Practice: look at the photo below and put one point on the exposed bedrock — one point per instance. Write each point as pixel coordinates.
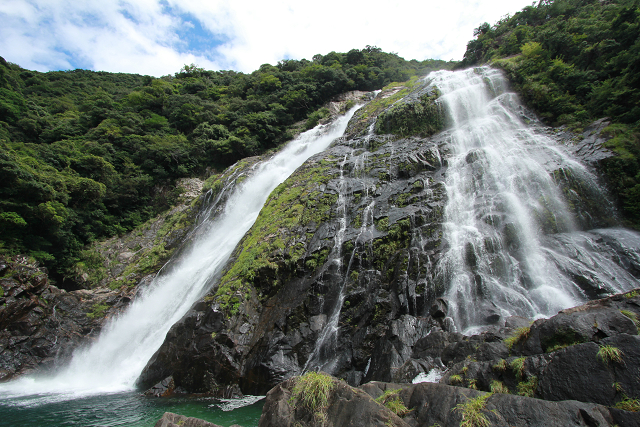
(41, 325)
(428, 404)
(343, 272)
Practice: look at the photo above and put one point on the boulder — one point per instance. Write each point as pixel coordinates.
(169, 419)
(589, 353)
(346, 406)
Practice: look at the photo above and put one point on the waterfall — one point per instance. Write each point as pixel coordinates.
(510, 238)
(324, 355)
(114, 361)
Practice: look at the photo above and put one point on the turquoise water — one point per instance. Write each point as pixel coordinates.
(120, 409)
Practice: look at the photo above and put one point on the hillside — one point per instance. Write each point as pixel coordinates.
(87, 155)
(476, 226)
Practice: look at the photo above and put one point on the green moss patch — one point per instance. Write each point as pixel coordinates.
(276, 245)
(423, 117)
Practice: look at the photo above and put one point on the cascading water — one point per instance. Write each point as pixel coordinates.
(324, 356)
(509, 234)
(126, 343)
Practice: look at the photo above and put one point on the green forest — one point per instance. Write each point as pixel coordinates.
(86, 155)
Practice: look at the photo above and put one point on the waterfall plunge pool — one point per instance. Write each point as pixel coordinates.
(128, 408)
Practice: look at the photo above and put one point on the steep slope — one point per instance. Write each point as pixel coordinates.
(89, 155)
(347, 264)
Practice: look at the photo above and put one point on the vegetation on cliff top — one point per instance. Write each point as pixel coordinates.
(575, 61)
(86, 155)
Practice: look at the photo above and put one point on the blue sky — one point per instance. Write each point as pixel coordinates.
(157, 37)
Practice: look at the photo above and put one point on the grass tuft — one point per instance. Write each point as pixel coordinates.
(499, 387)
(472, 412)
(501, 366)
(312, 391)
(391, 400)
(609, 353)
(529, 387)
(517, 365)
(455, 379)
(632, 294)
(628, 404)
(520, 335)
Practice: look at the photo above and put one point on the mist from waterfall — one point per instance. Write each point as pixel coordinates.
(506, 222)
(115, 360)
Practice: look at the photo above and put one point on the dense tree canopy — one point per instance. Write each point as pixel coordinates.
(575, 61)
(85, 155)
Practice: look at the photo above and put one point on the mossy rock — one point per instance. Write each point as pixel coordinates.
(423, 117)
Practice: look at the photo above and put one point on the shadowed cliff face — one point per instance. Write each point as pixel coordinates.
(342, 270)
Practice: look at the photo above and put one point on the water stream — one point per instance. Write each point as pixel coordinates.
(512, 244)
(510, 236)
(114, 361)
(325, 356)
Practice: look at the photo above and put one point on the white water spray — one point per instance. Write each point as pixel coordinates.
(126, 343)
(502, 201)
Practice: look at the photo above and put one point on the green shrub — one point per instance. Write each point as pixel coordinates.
(472, 412)
(98, 310)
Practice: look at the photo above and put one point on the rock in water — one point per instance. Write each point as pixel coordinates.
(169, 419)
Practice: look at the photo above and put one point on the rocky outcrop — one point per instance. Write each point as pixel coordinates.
(40, 325)
(344, 406)
(428, 404)
(126, 260)
(260, 324)
(353, 239)
(589, 353)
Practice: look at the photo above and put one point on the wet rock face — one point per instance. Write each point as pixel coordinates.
(341, 273)
(360, 237)
(40, 325)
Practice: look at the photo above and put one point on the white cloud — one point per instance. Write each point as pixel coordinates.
(141, 36)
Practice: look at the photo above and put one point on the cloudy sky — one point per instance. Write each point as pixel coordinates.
(157, 37)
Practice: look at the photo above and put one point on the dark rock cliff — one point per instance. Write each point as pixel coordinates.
(351, 240)
(40, 325)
